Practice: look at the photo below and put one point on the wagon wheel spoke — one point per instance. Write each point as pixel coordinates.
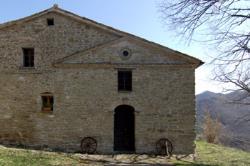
(164, 147)
(88, 145)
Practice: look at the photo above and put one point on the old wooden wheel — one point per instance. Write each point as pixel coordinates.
(164, 147)
(88, 145)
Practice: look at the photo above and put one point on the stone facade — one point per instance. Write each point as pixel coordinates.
(77, 61)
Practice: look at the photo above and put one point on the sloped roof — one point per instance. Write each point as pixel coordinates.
(106, 28)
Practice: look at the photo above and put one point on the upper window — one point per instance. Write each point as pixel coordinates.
(50, 21)
(47, 102)
(28, 57)
(124, 80)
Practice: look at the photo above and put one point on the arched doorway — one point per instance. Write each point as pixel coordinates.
(124, 129)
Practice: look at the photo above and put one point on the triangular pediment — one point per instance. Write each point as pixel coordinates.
(112, 53)
(142, 51)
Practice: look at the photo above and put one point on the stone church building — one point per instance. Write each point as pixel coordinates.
(69, 83)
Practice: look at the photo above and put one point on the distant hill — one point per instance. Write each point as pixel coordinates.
(234, 117)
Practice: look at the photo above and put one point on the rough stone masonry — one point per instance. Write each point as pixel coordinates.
(64, 78)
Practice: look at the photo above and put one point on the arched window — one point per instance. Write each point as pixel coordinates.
(47, 102)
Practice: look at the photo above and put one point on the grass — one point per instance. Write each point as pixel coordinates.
(19, 157)
(211, 154)
(207, 155)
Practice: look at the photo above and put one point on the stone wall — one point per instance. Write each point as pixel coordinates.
(85, 97)
(66, 37)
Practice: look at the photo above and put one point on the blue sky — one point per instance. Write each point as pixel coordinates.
(139, 17)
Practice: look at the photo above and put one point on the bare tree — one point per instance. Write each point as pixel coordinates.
(223, 23)
(211, 129)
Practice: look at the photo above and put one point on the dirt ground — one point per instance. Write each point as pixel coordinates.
(112, 160)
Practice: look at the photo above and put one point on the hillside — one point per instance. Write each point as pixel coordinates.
(234, 117)
(207, 154)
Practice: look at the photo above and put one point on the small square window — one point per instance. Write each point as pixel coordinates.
(50, 21)
(124, 80)
(47, 102)
(28, 57)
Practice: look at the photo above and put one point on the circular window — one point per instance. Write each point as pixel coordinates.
(125, 53)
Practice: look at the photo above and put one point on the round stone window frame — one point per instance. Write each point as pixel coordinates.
(125, 53)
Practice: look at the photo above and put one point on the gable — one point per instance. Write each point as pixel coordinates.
(112, 53)
(150, 56)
